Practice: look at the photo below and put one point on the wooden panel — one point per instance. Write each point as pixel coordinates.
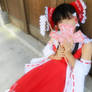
(16, 13)
(69, 1)
(88, 25)
(53, 3)
(14, 8)
(2, 4)
(59, 2)
(35, 10)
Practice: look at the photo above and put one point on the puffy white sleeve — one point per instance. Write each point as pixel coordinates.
(48, 49)
(82, 67)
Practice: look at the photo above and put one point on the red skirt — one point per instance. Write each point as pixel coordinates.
(48, 77)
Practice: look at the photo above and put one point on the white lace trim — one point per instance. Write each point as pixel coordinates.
(43, 22)
(84, 11)
(35, 62)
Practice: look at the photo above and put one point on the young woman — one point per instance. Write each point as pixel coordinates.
(54, 74)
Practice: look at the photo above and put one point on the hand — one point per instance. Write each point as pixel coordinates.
(68, 45)
(59, 53)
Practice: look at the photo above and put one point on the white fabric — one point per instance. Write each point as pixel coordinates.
(84, 11)
(7, 90)
(82, 68)
(80, 71)
(35, 62)
(48, 50)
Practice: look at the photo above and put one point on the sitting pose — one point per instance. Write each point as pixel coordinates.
(67, 65)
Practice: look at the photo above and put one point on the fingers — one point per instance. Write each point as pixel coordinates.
(68, 45)
(58, 57)
(60, 54)
(61, 47)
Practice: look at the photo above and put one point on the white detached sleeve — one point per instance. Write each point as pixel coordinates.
(48, 49)
(81, 69)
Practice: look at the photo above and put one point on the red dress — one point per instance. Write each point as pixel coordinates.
(48, 77)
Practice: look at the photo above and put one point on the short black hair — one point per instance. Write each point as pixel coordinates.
(62, 11)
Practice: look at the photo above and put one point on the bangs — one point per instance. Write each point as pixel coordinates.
(67, 15)
(63, 11)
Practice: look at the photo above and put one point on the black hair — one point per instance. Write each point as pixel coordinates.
(64, 11)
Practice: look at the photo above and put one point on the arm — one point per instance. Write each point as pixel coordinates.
(87, 51)
(86, 54)
(71, 59)
(81, 67)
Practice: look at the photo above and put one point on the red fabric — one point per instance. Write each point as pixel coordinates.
(79, 8)
(50, 13)
(54, 48)
(78, 54)
(49, 77)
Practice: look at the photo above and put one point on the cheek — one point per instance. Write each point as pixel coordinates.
(73, 22)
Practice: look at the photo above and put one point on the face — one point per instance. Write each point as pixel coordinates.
(69, 21)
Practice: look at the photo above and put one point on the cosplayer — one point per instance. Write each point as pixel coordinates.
(67, 55)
